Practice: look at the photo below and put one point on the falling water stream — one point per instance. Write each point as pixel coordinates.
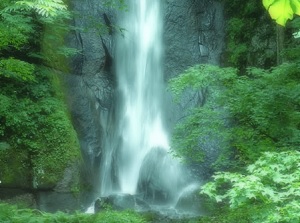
(139, 70)
(136, 157)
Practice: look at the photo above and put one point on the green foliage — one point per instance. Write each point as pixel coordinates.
(270, 188)
(16, 69)
(246, 114)
(206, 119)
(282, 10)
(249, 35)
(20, 28)
(20, 44)
(12, 214)
(47, 8)
(54, 51)
(295, 26)
(35, 122)
(237, 40)
(223, 215)
(201, 76)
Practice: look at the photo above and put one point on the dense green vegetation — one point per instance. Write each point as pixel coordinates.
(250, 35)
(247, 114)
(37, 140)
(12, 214)
(254, 116)
(269, 188)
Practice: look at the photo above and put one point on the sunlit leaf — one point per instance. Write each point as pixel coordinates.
(282, 10)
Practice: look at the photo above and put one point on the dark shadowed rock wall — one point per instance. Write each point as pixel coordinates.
(91, 81)
(194, 33)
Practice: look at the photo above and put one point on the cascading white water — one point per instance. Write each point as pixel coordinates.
(140, 82)
(135, 158)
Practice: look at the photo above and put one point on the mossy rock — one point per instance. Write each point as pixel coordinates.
(38, 143)
(53, 167)
(14, 171)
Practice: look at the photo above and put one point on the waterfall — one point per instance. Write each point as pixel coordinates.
(135, 158)
(140, 82)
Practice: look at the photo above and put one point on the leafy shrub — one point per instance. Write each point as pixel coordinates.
(250, 35)
(246, 115)
(270, 188)
(36, 125)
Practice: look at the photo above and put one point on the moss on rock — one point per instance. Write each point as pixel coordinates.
(13, 169)
(40, 141)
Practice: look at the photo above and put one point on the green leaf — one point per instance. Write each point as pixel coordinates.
(295, 4)
(282, 10)
(17, 69)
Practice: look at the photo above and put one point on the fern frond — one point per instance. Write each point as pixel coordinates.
(44, 8)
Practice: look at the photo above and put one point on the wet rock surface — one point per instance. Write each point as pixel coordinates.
(153, 213)
(160, 177)
(121, 202)
(90, 84)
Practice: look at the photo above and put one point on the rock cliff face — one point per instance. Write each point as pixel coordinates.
(91, 81)
(193, 34)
